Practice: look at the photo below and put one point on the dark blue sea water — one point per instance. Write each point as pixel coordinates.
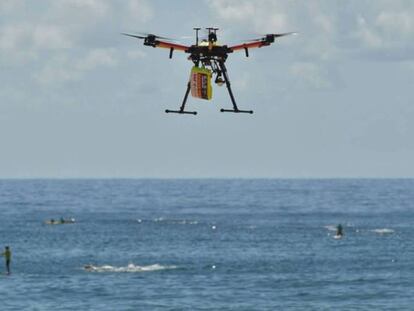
(208, 244)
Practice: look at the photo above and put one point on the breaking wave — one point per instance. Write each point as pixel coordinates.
(383, 231)
(129, 268)
(170, 221)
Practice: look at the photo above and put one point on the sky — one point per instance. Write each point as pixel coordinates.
(79, 100)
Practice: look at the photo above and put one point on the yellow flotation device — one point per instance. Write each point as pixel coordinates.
(200, 82)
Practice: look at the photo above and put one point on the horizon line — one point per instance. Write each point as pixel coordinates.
(200, 177)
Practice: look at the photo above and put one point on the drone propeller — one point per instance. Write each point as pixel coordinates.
(274, 35)
(143, 35)
(134, 36)
(158, 37)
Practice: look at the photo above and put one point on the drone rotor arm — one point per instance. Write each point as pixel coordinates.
(259, 42)
(169, 45)
(250, 45)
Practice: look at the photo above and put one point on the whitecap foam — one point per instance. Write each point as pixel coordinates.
(129, 268)
(331, 227)
(383, 231)
(185, 222)
(175, 221)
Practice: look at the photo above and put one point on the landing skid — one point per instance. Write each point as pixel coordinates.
(181, 112)
(226, 79)
(236, 111)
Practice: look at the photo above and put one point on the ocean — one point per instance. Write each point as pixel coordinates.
(208, 244)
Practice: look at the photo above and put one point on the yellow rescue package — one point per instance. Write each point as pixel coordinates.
(200, 81)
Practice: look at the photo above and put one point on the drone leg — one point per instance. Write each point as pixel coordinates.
(226, 79)
(182, 111)
(185, 97)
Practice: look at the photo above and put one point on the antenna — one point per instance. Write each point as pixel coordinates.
(212, 29)
(196, 30)
(212, 36)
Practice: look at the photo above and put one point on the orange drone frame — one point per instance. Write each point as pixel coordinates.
(211, 57)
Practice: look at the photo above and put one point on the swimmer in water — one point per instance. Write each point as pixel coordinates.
(7, 257)
(88, 267)
(339, 231)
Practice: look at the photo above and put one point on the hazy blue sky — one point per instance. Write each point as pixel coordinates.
(80, 100)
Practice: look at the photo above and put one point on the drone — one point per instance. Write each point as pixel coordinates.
(209, 59)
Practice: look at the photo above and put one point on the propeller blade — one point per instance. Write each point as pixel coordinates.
(142, 35)
(134, 36)
(156, 36)
(275, 35)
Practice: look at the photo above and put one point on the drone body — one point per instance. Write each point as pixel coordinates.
(209, 59)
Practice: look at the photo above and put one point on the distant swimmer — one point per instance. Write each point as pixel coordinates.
(89, 267)
(339, 232)
(7, 256)
(61, 221)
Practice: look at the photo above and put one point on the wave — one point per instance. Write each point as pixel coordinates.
(379, 230)
(383, 231)
(171, 221)
(129, 268)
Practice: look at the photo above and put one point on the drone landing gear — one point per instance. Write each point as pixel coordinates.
(236, 111)
(182, 111)
(226, 79)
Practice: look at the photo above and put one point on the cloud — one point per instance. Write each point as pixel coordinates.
(84, 9)
(66, 24)
(97, 58)
(12, 37)
(260, 17)
(328, 31)
(136, 54)
(236, 11)
(393, 23)
(310, 75)
(24, 43)
(8, 7)
(47, 37)
(369, 38)
(57, 70)
(385, 32)
(139, 11)
(63, 68)
(35, 37)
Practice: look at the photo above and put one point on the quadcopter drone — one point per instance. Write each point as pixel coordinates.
(208, 57)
